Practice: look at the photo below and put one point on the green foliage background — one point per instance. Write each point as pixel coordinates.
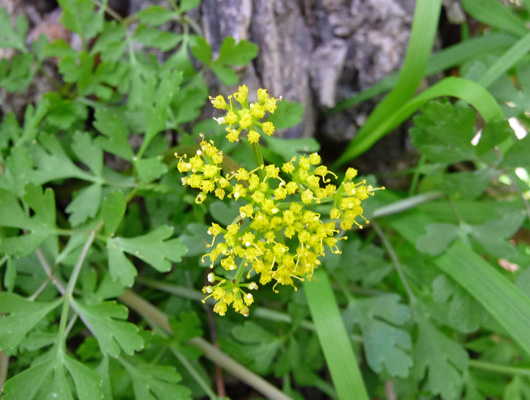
(100, 244)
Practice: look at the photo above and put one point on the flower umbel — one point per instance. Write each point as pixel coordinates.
(278, 236)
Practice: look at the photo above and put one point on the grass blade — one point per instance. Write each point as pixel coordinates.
(467, 90)
(502, 299)
(495, 14)
(334, 339)
(424, 27)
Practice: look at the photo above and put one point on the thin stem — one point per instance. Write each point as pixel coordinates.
(499, 369)
(406, 204)
(80, 261)
(416, 176)
(109, 10)
(39, 290)
(3, 260)
(395, 261)
(259, 160)
(158, 318)
(240, 271)
(519, 193)
(455, 211)
(195, 375)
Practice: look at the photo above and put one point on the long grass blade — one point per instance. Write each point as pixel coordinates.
(495, 14)
(334, 339)
(424, 27)
(502, 299)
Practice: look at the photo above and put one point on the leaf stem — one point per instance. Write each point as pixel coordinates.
(499, 369)
(519, 193)
(395, 261)
(259, 160)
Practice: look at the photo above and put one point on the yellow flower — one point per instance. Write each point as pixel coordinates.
(253, 136)
(241, 94)
(219, 102)
(268, 128)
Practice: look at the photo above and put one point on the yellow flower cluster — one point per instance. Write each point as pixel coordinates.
(276, 236)
(246, 116)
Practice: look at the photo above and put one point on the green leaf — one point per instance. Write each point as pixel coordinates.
(187, 5)
(466, 185)
(52, 162)
(156, 15)
(232, 53)
(63, 113)
(9, 38)
(185, 327)
(115, 139)
(111, 43)
(496, 15)
(152, 37)
(440, 358)
(152, 248)
(517, 389)
(438, 237)
(85, 205)
(517, 156)
(493, 134)
(443, 132)
(112, 211)
(224, 213)
(23, 316)
(201, 50)
(90, 154)
(189, 101)
(59, 48)
(16, 74)
(18, 171)
(78, 70)
(463, 312)
(48, 381)
(384, 344)
(155, 382)
(150, 169)
(225, 74)
(261, 346)
(105, 322)
(32, 119)
(40, 226)
(287, 115)
(78, 17)
(196, 238)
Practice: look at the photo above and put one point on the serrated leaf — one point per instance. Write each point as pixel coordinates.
(152, 37)
(466, 185)
(232, 53)
(196, 238)
(493, 134)
(438, 237)
(40, 226)
(115, 139)
(155, 382)
(63, 113)
(52, 162)
(261, 346)
(441, 359)
(187, 5)
(79, 17)
(517, 156)
(150, 169)
(156, 15)
(90, 154)
(112, 210)
(224, 213)
(287, 115)
(385, 344)
(78, 70)
(85, 205)
(18, 171)
(225, 74)
(201, 50)
(23, 316)
(152, 248)
(185, 327)
(464, 314)
(16, 74)
(106, 323)
(494, 233)
(48, 381)
(189, 100)
(443, 132)
(9, 38)
(111, 43)
(32, 118)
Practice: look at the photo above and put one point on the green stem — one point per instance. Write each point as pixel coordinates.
(395, 261)
(499, 369)
(195, 374)
(240, 271)
(259, 160)
(416, 176)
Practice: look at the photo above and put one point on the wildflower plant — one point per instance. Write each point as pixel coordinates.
(277, 236)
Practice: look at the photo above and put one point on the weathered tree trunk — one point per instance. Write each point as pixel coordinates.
(317, 52)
